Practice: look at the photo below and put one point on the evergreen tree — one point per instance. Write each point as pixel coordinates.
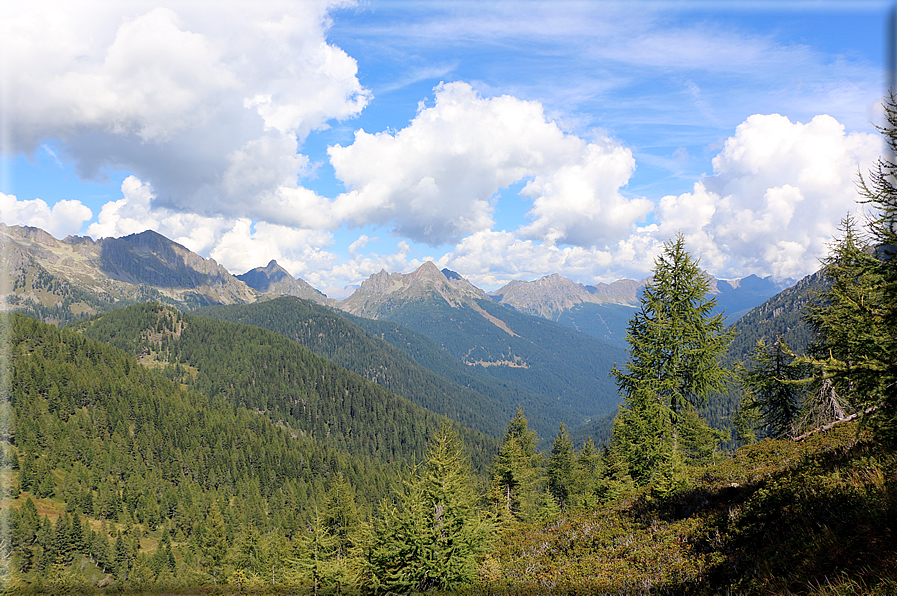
(434, 536)
(340, 514)
(857, 318)
(847, 318)
(698, 439)
(516, 473)
(676, 344)
(774, 387)
(318, 561)
(880, 191)
(561, 467)
(587, 476)
(214, 540)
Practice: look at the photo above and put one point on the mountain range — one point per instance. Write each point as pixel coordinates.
(430, 335)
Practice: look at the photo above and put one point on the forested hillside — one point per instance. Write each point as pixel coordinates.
(99, 436)
(330, 335)
(544, 418)
(780, 317)
(568, 368)
(118, 477)
(261, 370)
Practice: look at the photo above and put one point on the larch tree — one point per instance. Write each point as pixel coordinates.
(561, 468)
(435, 533)
(676, 346)
(863, 361)
(516, 473)
(847, 317)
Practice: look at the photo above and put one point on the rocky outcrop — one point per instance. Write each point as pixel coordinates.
(274, 279)
(382, 290)
(58, 280)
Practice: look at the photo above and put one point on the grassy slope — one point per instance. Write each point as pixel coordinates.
(777, 517)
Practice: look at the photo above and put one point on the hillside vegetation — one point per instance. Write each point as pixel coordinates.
(330, 335)
(779, 517)
(262, 371)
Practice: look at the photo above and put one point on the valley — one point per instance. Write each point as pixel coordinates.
(178, 427)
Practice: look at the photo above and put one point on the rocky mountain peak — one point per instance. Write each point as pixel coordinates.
(274, 279)
(427, 281)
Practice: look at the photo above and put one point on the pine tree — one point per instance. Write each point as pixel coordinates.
(676, 344)
(433, 537)
(214, 540)
(516, 473)
(317, 561)
(774, 386)
(587, 476)
(847, 318)
(857, 318)
(561, 467)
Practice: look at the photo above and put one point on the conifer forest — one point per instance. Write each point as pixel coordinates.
(147, 450)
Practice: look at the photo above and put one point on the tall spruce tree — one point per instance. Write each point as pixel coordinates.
(857, 318)
(880, 191)
(847, 317)
(561, 465)
(676, 345)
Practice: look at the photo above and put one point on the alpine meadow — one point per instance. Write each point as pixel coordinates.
(511, 337)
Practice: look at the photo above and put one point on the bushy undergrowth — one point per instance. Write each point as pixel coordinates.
(777, 517)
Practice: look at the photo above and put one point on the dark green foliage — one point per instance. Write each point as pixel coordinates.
(431, 355)
(780, 316)
(561, 468)
(147, 447)
(586, 478)
(432, 537)
(547, 359)
(777, 517)
(855, 349)
(878, 189)
(334, 336)
(698, 440)
(516, 474)
(607, 322)
(676, 346)
(775, 385)
(263, 371)
(845, 317)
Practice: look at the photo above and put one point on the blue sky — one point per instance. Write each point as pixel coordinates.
(505, 140)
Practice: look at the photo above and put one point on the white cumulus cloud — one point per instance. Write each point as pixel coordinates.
(209, 106)
(64, 218)
(778, 191)
(435, 180)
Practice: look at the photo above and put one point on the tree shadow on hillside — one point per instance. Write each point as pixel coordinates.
(827, 515)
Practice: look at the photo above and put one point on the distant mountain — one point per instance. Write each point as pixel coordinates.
(782, 315)
(736, 297)
(382, 292)
(569, 369)
(604, 310)
(60, 280)
(274, 279)
(552, 295)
